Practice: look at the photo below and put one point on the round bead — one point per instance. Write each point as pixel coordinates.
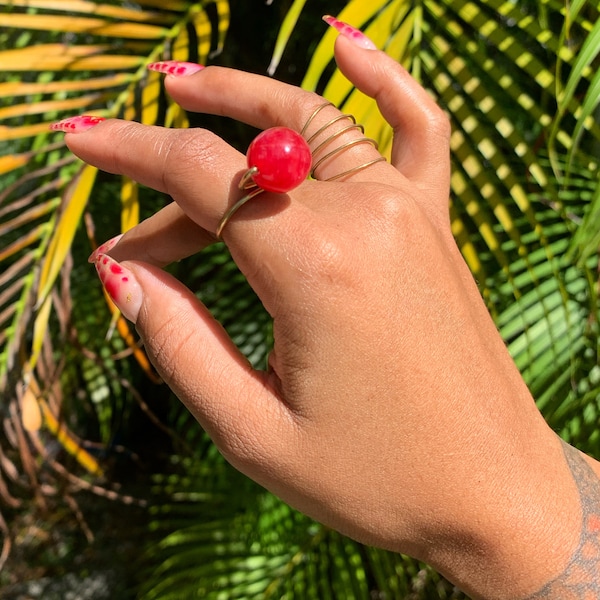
(282, 159)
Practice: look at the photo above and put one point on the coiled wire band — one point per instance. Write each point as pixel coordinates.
(322, 145)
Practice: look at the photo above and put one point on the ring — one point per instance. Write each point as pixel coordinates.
(322, 145)
(279, 160)
(227, 216)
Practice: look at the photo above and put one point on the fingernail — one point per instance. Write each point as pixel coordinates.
(356, 36)
(105, 248)
(77, 124)
(120, 285)
(177, 68)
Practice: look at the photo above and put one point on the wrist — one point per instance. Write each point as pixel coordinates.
(515, 529)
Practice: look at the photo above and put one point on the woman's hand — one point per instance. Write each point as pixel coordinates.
(391, 410)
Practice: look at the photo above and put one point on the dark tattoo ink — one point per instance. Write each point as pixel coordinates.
(581, 578)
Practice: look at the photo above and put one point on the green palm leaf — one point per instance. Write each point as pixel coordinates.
(228, 538)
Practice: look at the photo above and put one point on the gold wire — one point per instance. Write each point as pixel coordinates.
(332, 122)
(362, 140)
(356, 169)
(314, 114)
(324, 143)
(337, 134)
(246, 182)
(227, 216)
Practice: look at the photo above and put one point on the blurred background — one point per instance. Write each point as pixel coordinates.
(108, 488)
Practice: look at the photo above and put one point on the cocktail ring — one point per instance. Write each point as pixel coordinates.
(278, 161)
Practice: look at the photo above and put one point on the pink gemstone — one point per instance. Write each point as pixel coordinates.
(282, 158)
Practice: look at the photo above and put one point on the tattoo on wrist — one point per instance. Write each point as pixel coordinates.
(581, 579)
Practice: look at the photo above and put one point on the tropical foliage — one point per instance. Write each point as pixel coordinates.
(521, 84)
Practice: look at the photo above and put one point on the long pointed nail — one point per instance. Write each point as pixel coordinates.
(177, 68)
(121, 286)
(356, 36)
(105, 248)
(77, 124)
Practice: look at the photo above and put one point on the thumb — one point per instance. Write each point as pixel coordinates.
(197, 359)
(421, 128)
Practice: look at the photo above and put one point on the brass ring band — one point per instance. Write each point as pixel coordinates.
(313, 115)
(227, 216)
(336, 151)
(340, 117)
(246, 183)
(356, 169)
(322, 145)
(338, 133)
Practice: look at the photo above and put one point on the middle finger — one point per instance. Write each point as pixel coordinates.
(264, 102)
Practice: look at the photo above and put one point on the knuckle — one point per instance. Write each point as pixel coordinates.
(326, 257)
(439, 123)
(184, 151)
(299, 105)
(390, 208)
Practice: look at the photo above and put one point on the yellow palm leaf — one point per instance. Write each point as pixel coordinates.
(75, 201)
(58, 57)
(14, 89)
(71, 24)
(12, 162)
(285, 31)
(87, 8)
(88, 57)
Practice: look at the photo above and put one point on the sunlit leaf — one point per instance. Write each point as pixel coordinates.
(20, 88)
(87, 8)
(130, 211)
(49, 106)
(24, 131)
(83, 25)
(585, 117)
(356, 12)
(587, 238)
(31, 413)
(40, 327)
(58, 57)
(75, 201)
(68, 441)
(12, 162)
(285, 31)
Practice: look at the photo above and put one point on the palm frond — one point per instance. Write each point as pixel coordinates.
(61, 57)
(228, 538)
(60, 381)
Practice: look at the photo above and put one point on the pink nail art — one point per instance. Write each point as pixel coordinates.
(177, 68)
(356, 36)
(105, 248)
(77, 124)
(120, 285)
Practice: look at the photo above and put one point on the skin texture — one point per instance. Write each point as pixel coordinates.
(391, 410)
(580, 580)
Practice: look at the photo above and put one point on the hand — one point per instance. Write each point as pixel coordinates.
(391, 410)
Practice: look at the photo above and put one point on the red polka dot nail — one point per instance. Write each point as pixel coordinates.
(121, 285)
